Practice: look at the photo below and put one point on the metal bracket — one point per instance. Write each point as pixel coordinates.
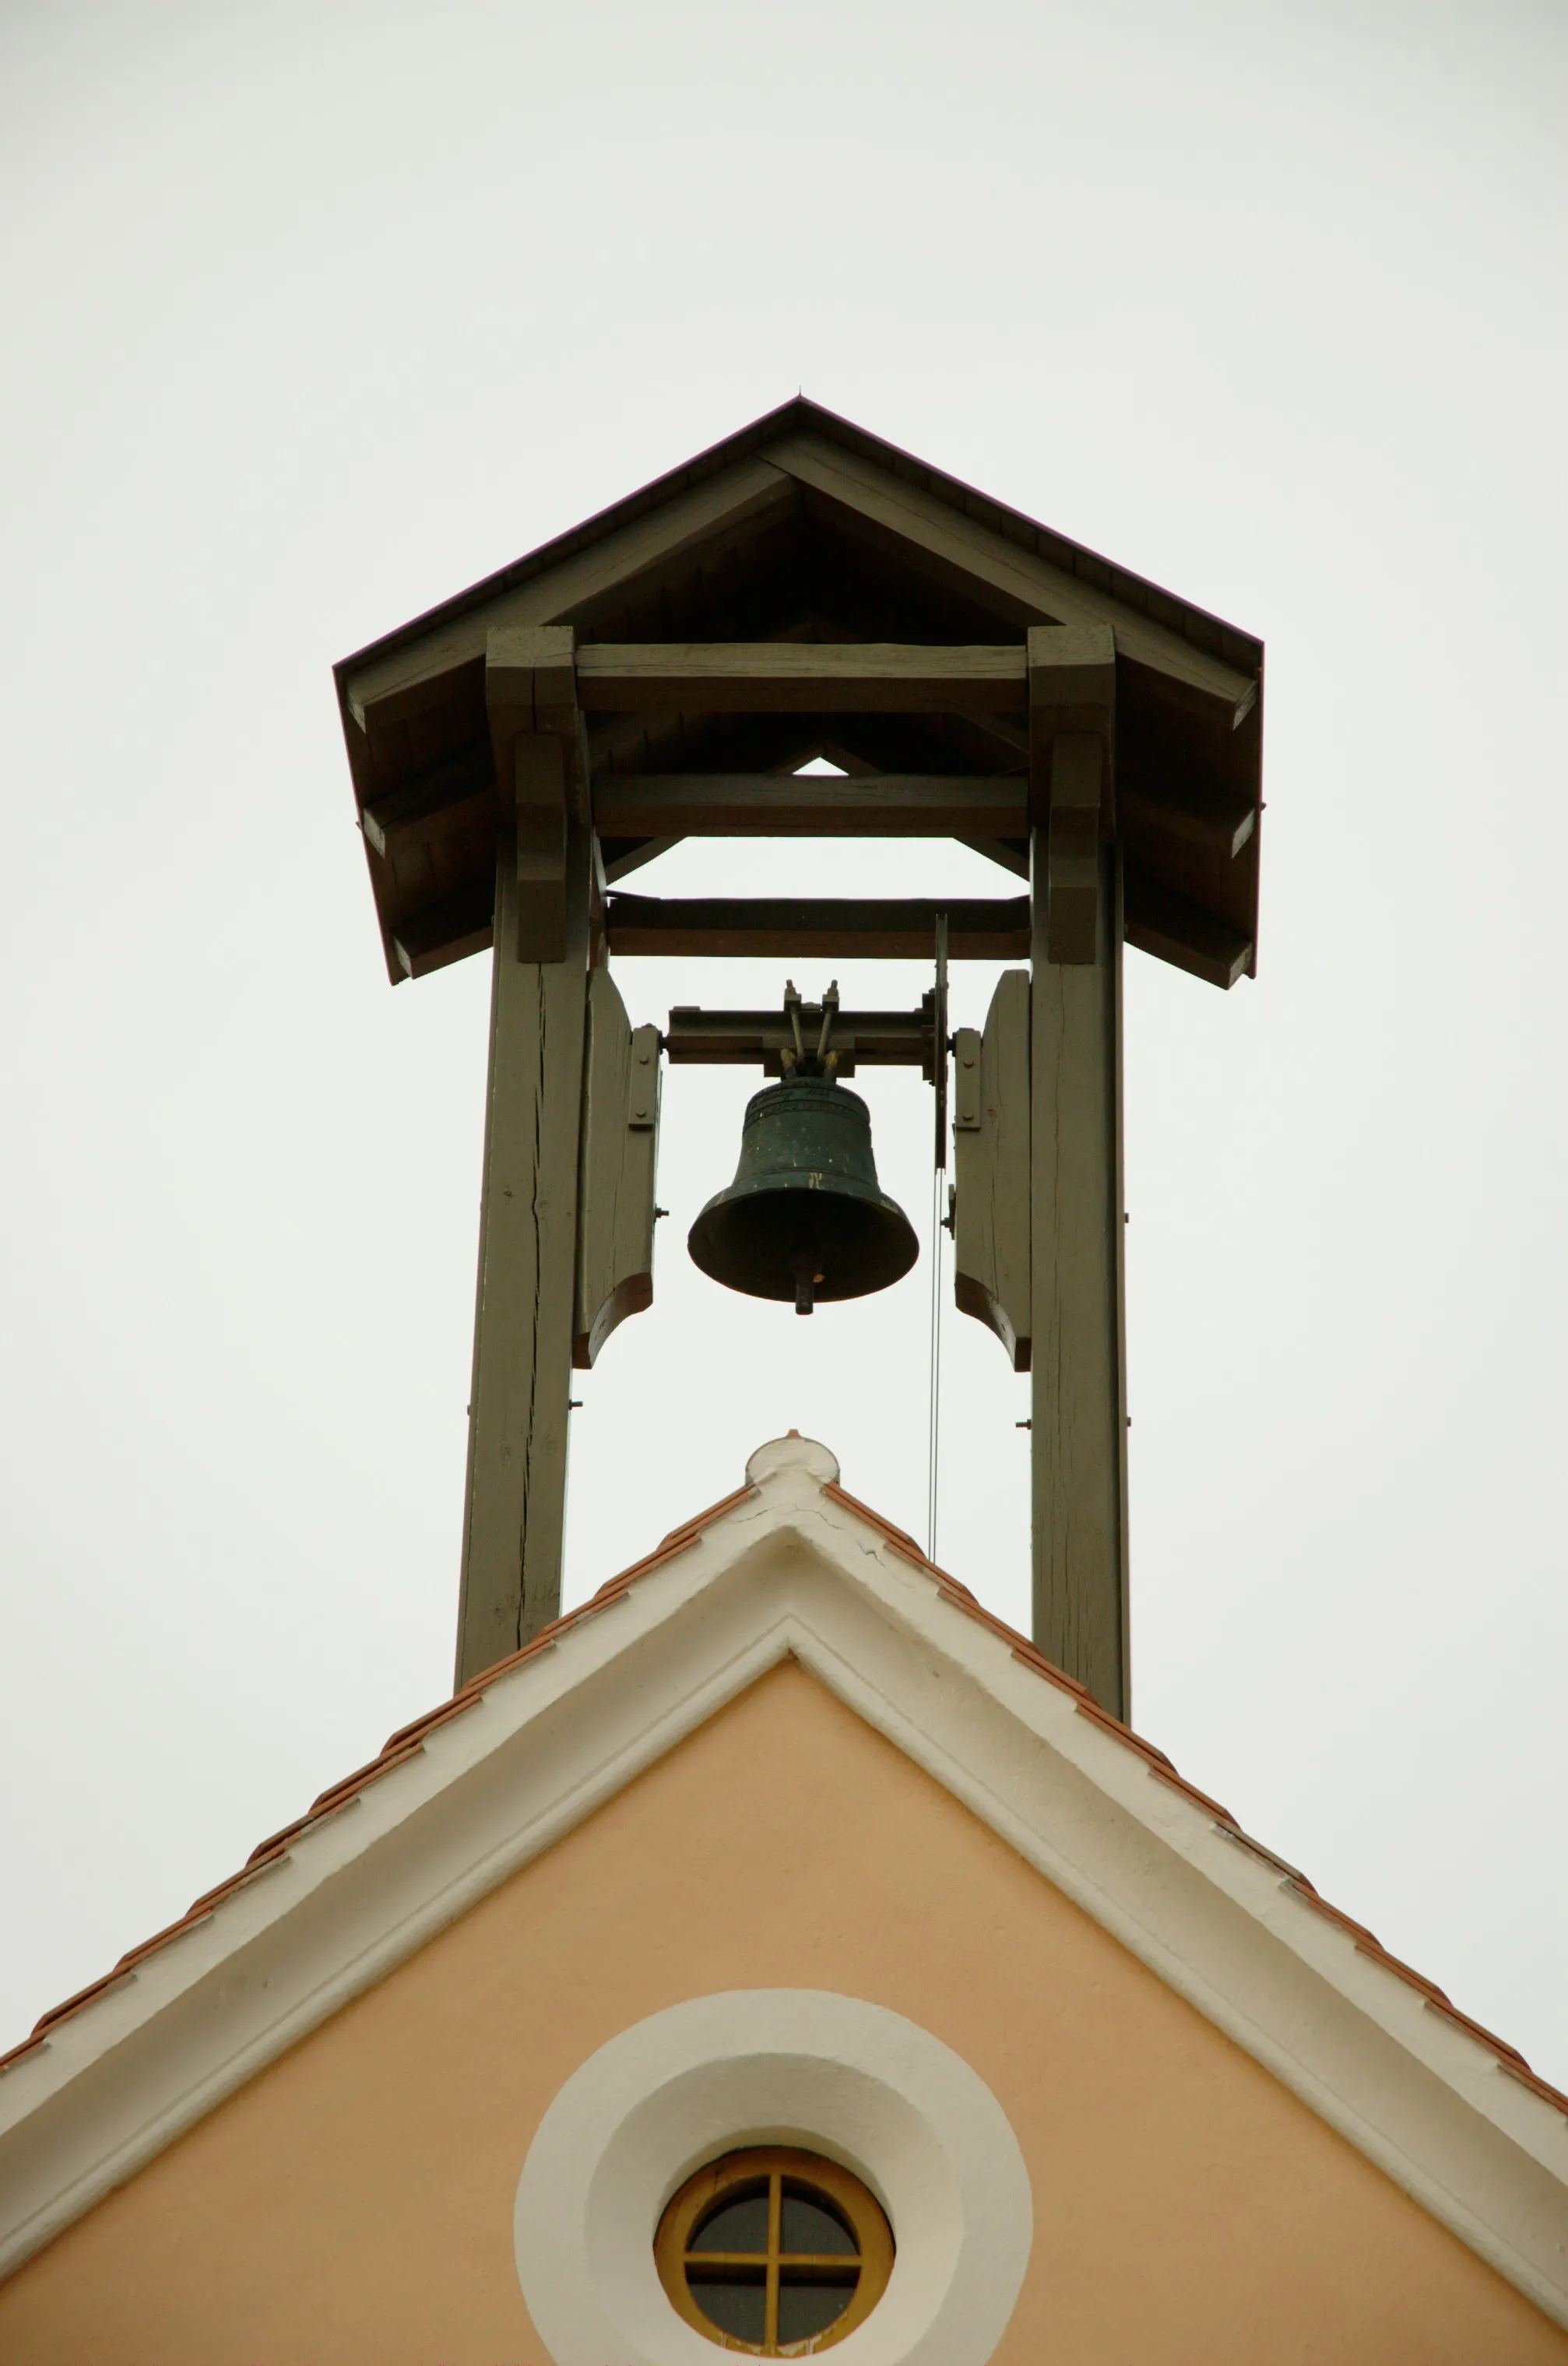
(805, 1031)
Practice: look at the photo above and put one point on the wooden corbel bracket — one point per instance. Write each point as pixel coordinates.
(1072, 711)
(541, 771)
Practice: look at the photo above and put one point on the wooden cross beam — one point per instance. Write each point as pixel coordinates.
(1072, 711)
(819, 927)
(766, 804)
(799, 677)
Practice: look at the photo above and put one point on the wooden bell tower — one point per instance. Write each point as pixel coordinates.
(661, 672)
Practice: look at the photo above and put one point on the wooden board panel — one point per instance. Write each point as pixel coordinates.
(991, 1163)
(798, 677)
(816, 928)
(620, 1148)
(763, 805)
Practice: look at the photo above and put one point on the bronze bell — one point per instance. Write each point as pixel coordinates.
(804, 1217)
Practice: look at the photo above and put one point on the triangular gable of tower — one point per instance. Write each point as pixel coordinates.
(1136, 1978)
(805, 528)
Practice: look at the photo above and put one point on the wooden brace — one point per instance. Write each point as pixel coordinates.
(540, 769)
(1072, 705)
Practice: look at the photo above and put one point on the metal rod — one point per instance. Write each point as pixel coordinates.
(939, 1174)
(829, 1009)
(933, 1439)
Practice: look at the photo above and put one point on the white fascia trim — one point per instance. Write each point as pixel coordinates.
(356, 1896)
(554, 1738)
(1286, 1985)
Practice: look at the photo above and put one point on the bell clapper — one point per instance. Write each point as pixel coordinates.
(803, 1265)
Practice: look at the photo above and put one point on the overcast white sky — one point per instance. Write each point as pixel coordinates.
(316, 313)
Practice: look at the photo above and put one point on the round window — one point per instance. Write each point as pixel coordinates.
(773, 2252)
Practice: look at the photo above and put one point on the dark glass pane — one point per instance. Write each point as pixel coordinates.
(806, 2309)
(735, 2227)
(812, 2227)
(739, 2310)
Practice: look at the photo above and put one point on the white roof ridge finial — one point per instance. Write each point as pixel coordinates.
(783, 1457)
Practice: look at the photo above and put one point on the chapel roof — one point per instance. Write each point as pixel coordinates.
(803, 526)
(409, 1740)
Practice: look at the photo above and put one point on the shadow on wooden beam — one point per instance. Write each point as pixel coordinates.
(447, 932)
(1160, 922)
(818, 927)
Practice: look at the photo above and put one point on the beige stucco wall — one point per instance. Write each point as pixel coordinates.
(353, 2203)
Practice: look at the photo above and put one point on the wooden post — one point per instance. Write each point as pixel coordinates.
(1079, 1432)
(515, 1516)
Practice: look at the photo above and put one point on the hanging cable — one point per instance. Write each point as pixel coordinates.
(933, 1439)
(939, 1177)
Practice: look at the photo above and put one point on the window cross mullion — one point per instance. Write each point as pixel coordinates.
(775, 2241)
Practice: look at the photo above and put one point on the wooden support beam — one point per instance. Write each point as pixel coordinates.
(716, 514)
(1011, 854)
(445, 931)
(917, 526)
(530, 683)
(1071, 684)
(458, 795)
(820, 929)
(1078, 1361)
(1072, 707)
(1011, 735)
(798, 678)
(1159, 921)
(541, 766)
(538, 849)
(1072, 842)
(1213, 826)
(625, 855)
(812, 804)
(861, 1039)
(515, 1514)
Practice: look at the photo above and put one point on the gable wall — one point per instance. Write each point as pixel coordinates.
(355, 2200)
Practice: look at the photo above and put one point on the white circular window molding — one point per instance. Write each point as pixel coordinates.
(831, 2074)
